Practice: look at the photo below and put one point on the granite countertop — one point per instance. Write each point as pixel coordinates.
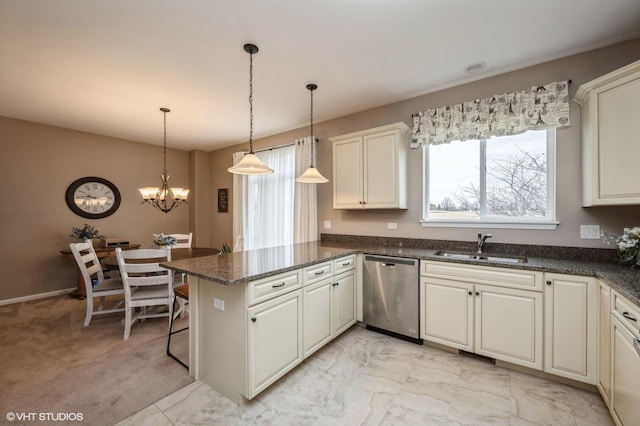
(237, 268)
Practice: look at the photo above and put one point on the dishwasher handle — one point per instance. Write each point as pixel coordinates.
(390, 261)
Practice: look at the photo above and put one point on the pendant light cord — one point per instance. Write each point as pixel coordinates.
(313, 138)
(251, 102)
(165, 143)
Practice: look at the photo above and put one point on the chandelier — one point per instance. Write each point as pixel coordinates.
(312, 175)
(250, 163)
(164, 198)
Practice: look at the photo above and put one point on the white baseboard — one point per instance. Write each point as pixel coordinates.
(36, 296)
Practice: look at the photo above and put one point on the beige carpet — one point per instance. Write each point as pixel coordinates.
(50, 363)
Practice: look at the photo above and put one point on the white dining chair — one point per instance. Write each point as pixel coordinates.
(148, 287)
(96, 285)
(183, 240)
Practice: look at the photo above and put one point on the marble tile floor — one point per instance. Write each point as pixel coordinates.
(367, 378)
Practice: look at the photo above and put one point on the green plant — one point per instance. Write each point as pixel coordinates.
(225, 248)
(87, 232)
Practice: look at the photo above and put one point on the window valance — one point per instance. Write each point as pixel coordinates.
(537, 108)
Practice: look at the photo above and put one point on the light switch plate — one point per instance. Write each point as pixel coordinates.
(327, 224)
(392, 225)
(590, 232)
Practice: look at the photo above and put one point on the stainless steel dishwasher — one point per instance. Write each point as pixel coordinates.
(391, 296)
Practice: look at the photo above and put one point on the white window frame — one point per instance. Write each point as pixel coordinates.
(547, 223)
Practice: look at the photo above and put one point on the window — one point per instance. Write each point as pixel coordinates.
(268, 218)
(506, 181)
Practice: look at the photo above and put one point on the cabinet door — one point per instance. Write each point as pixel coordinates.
(344, 302)
(508, 325)
(382, 171)
(570, 332)
(603, 342)
(275, 340)
(446, 312)
(625, 392)
(317, 315)
(618, 128)
(347, 174)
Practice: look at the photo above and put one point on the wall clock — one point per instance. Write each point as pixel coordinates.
(93, 197)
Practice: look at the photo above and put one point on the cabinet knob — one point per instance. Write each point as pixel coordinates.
(548, 282)
(477, 293)
(470, 293)
(254, 319)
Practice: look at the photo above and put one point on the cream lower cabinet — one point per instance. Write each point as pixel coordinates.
(625, 361)
(603, 342)
(329, 304)
(275, 340)
(570, 326)
(460, 309)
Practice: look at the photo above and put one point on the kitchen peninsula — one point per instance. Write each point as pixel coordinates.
(257, 314)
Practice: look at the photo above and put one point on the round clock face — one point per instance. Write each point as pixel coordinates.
(93, 197)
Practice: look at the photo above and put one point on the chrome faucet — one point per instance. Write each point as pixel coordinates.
(481, 240)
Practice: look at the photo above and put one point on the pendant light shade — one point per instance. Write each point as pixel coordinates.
(312, 175)
(250, 163)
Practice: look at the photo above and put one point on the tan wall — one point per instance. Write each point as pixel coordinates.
(579, 68)
(37, 164)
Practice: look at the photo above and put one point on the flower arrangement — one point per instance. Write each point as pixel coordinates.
(164, 240)
(628, 246)
(87, 232)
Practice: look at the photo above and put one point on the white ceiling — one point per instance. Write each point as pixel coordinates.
(106, 66)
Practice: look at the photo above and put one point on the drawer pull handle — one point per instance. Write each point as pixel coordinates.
(629, 317)
(636, 344)
(277, 285)
(346, 264)
(319, 272)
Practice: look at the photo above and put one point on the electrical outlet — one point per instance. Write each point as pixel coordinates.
(218, 304)
(327, 224)
(392, 225)
(590, 232)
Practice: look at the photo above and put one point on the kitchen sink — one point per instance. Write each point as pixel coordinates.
(476, 256)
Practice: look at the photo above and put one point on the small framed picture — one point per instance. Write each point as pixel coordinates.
(223, 200)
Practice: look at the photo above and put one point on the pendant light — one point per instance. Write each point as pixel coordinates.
(250, 163)
(164, 198)
(312, 175)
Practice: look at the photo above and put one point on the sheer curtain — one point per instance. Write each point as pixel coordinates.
(268, 202)
(305, 202)
(238, 205)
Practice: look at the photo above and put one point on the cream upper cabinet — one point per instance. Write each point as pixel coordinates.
(370, 168)
(570, 326)
(610, 129)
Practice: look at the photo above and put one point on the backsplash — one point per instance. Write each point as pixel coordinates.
(553, 252)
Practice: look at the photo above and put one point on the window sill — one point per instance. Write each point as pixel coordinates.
(551, 226)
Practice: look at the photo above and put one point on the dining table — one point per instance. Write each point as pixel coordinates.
(111, 262)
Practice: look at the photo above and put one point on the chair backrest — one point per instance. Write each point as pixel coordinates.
(88, 264)
(142, 268)
(183, 240)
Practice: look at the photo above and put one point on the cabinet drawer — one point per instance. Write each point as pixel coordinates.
(344, 264)
(314, 273)
(625, 311)
(267, 288)
(504, 277)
